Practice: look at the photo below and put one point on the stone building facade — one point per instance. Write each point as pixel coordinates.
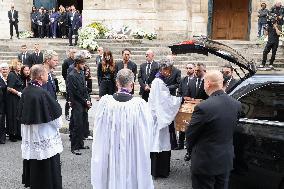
(170, 19)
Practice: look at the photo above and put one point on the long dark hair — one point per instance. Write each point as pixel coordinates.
(109, 63)
(23, 76)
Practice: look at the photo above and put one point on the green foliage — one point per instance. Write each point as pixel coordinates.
(100, 27)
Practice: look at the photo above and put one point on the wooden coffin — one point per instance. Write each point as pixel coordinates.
(184, 114)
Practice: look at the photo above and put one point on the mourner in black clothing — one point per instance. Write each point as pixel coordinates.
(25, 75)
(40, 23)
(273, 32)
(40, 114)
(24, 57)
(228, 71)
(46, 23)
(74, 23)
(146, 74)
(210, 135)
(173, 83)
(50, 63)
(63, 22)
(99, 57)
(34, 26)
(3, 90)
(66, 64)
(126, 63)
(37, 55)
(80, 103)
(13, 20)
(14, 92)
(182, 91)
(106, 74)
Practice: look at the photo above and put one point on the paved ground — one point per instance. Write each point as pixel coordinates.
(76, 169)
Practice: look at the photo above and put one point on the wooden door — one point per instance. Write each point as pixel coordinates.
(230, 19)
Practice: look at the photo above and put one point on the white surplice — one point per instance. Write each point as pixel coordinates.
(164, 108)
(121, 146)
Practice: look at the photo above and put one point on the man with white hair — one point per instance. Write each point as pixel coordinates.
(210, 135)
(50, 62)
(122, 138)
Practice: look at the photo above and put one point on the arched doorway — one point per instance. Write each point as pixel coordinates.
(78, 3)
(230, 19)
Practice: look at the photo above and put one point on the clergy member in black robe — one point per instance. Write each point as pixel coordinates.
(80, 103)
(40, 116)
(14, 89)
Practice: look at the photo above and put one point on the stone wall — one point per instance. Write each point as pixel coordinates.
(24, 8)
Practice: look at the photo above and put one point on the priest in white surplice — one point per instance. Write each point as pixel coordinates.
(122, 137)
(164, 108)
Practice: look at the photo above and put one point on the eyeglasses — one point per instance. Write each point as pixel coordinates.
(189, 68)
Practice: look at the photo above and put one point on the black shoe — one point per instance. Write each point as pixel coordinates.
(2, 142)
(76, 152)
(179, 148)
(75, 44)
(13, 140)
(11, 37)
(187, 157)
(85, 147)
(70, 44)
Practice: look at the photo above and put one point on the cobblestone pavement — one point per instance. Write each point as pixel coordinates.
(76, 169)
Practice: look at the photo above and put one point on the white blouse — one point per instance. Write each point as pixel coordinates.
(41, 141)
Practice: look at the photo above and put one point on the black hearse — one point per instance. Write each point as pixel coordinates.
(259, 136)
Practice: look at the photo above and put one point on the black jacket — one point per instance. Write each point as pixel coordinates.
(105, 75)
(210, 134)
(36, 58)
(143, 78)
(3, 90)
(130, 65)
(77, 90)
(66, 63)
(195, 91)
(26, 60)
(231, 84)
(184, 85)
(173, 81)
(16, 16)
(76, 22)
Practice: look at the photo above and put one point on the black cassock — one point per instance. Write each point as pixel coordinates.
(3, 88)
(13, 125)
(37, 106)
(78, 96)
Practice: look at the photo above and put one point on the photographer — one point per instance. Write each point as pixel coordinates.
(273, 31)
(278, 11)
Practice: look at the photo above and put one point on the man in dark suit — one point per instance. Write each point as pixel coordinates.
(74, 22)
(182, 91)
(228, 71)
(146, 74)
(173, 83)
(66, 64)
(210, 135)
(99, 57)
(37, 55)
(24, 56)
(13, 20)
(126, 63)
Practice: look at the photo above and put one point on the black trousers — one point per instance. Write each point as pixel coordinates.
(76, 126)
(67, 106)
(15, 24)
(160, 163)
(41, 31)
(173, 136)
(34, 28)
(106, 87)
(2, 128)
(210, 181)
(181, 138)
(267, 49)
(71, 33)
(42, 174)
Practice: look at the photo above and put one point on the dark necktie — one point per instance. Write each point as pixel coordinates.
(198, 83)
(148, 69)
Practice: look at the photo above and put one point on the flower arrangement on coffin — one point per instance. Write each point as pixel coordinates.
(87, 38)
(122, 33)
(138, 34)
(25, 34)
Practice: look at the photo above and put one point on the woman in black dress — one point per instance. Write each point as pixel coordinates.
(106, 75)
(14, 92)
(25, 75)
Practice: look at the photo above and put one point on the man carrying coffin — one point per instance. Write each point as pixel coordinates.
(122, 138)
(164, 108)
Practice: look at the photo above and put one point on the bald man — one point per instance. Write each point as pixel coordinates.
(210, 135)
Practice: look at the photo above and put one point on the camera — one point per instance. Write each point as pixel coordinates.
(272, 19)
